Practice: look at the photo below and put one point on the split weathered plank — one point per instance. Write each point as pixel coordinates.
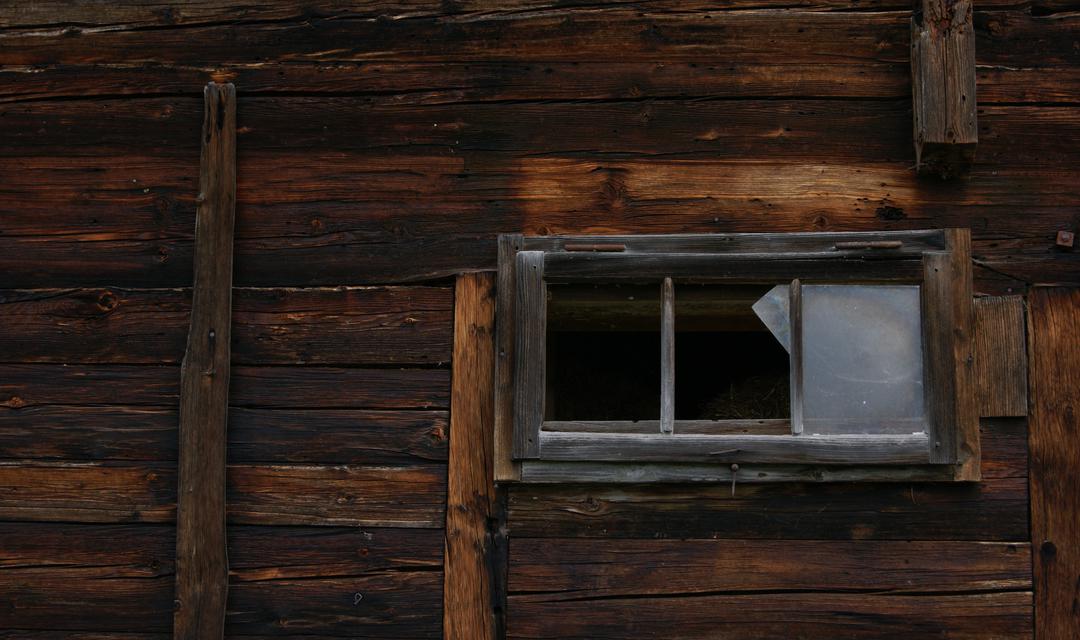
(342, 325)
(943, 87)
(592, 568)
(775, 616)
(1001, 356)
(469, 590)
(1054, 339)
(202, 568)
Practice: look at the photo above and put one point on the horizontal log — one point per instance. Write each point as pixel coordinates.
(344, 325)
(255, 435)
(406, 496)
(592, 569)
(26, 385)
(121, 577)
(994, 509)
(774, 616)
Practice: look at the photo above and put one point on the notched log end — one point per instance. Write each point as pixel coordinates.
(944, 160)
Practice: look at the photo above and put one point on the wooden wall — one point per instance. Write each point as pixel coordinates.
(381, 148)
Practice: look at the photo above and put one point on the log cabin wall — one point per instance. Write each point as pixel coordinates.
(381, 148)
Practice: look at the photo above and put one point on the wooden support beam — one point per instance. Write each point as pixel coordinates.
(468, 605)
(943, 87)
(1054, 349)
(202, 572)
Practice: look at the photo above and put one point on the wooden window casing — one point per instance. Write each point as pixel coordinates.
(531, 448)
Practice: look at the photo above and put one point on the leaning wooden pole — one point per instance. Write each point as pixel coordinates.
(202, 571)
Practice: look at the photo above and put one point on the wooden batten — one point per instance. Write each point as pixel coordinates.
(1000, 356)
(943, 87)
(468, 591)
(202, 572)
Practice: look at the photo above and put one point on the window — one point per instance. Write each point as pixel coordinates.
(806, 356)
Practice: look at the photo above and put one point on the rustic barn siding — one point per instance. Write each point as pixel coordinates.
(380, 150)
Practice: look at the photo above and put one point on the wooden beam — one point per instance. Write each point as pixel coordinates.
(1054, 339)
(1000, 356)
(202, 572)
(943, 87)
(468, 611)
(530, 351)
(505, 467)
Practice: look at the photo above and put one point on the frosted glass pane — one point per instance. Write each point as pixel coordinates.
(862, 359)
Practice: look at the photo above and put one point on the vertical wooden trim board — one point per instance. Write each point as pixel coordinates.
(202, 572)
(1001, 356)
(530, 352)
(505, 467)
(1054, 428)
(468, 611)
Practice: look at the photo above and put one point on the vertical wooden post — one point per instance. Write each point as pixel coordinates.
(943, 86)
(202, 573)
(667, 357)
(530, 353)
(468, 605)
(796, 376)
(1054, 350)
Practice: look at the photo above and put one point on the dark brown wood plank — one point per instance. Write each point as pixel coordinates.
(943, 87)
(1004, 615)
(344, 325)
(530, 349)
(202, 568)
(360, 496)
(1053, 332)
(592, 568)
(1001, 356)
(286, 387)
(469, 590)
(119, 432)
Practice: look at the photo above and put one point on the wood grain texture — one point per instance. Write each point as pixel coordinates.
(667, 356)
(994, 509)
(943, 87)
(202, 568)
(505, 335)
(121, 578)
(411, 496)
(775, 616)
(593, 569)
(344, 325)
(285, 387)
(469, 590)
(1053, 330)
(530, 352)
(1001, 356)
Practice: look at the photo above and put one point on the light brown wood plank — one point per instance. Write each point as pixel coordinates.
(1054, 339)
(468, 592)
(1001, 356)
(202, 568)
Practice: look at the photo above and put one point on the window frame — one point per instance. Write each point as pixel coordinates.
(531, 449)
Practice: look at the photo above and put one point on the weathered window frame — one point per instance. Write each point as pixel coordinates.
(531, 450)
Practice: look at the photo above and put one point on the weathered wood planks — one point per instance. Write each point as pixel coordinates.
(202, 568)
(120, 577)
(469, 590)
(943, 87)
(1001, 356)
(344, 325)
(1054, 343)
